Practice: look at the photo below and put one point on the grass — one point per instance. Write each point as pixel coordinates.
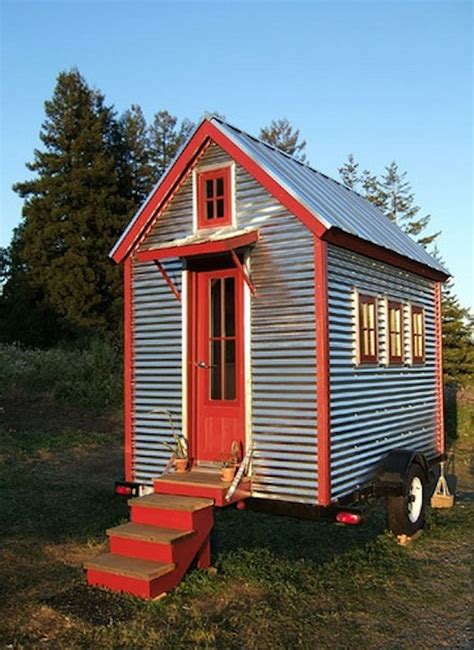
(280, 583)
(90, 377)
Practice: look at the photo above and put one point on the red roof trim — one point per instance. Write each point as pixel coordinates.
(357, 245)
(206, 131)
(201, 248)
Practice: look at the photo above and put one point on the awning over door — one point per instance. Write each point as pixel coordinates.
(213, 243)
(201, 244)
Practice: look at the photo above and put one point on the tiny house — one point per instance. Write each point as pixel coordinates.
(270, 310)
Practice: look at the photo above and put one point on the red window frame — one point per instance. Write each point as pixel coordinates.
(417, 337)
(211, 203)
(368, 331)
(393, 333)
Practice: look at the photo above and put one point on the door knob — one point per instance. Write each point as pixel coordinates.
(203, 364)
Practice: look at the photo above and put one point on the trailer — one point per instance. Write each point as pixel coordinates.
(278, 323)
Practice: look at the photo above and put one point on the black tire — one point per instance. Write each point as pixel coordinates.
(406, 514)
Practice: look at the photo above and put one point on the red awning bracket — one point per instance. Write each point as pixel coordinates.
(167, 279)
(243, 272)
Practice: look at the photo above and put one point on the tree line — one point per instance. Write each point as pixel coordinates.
(93, 171)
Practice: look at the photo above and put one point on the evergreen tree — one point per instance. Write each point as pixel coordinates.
(138, 170)
(166, 138)
(400, 206)
(458, 339)
(349, 173)
(75, 208)
(392, 194)
(280, 134)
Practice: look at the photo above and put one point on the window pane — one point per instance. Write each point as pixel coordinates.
(229, 370)
(229, 289)
(216, 370)
(219, 186)
(216, 308)
(220, 208)
(210, 209)
(209, 189)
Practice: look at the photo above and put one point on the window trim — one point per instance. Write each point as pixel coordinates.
(210, 174)
(394, 359)
(367, 358)
(417, 359)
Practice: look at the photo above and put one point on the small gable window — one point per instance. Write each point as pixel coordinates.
(368, 352)
(214, 201)
(395, 332)
(418, 334)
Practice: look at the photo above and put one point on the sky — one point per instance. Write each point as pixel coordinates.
(382, 80)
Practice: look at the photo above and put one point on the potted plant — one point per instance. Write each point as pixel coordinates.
(229, 463)
(179, 449)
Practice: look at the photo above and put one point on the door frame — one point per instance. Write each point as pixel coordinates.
(189, 351)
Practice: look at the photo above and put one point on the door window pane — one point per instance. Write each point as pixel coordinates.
(216, 370)
(229, 300)
(216, 307)
(229, 370)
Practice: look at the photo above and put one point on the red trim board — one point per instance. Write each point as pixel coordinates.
(439, 370)
(322, 370)
(128, 364)
(357, 245)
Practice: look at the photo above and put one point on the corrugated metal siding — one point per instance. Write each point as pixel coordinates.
(374, 408)
(282, 342)
(157, 366)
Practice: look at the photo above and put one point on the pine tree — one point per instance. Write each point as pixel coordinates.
(166, 138)
(138, 170)
(280, 134)
(74, 208)
(392, 194)
(458, 339)
(400, 205)
(349, 173)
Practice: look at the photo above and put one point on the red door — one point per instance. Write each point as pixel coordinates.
(219, 393)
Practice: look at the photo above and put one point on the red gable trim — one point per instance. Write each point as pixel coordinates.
(206, 131)
(199, 248)
(357, 245)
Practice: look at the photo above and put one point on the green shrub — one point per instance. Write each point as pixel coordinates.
(89, 377)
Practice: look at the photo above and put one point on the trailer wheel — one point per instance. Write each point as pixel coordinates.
(406, 513)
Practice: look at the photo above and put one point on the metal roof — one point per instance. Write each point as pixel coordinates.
(332, 203)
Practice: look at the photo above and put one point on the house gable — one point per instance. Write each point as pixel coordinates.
(179, 173)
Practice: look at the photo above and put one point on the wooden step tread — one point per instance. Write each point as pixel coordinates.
(148, 533)
(129, 566)
(171, 502)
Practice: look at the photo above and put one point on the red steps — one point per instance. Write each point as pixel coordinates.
(151, 554)
(202, 483)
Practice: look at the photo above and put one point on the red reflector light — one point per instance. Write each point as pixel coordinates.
(124, 490)
(352, 518)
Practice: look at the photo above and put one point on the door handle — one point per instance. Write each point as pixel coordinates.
(203, 364)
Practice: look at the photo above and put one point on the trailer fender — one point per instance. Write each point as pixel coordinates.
(393, 470)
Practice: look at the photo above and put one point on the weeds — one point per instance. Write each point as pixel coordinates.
(90, 377)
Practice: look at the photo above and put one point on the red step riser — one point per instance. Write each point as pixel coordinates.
(125, 584)
(143, 550)
(179, 519)
(161, 487)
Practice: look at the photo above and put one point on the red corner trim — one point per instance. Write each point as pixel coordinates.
(439, 370)
(322, 369)
(190, 153)
(357, 245)
(201, 248)
(128, 364)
